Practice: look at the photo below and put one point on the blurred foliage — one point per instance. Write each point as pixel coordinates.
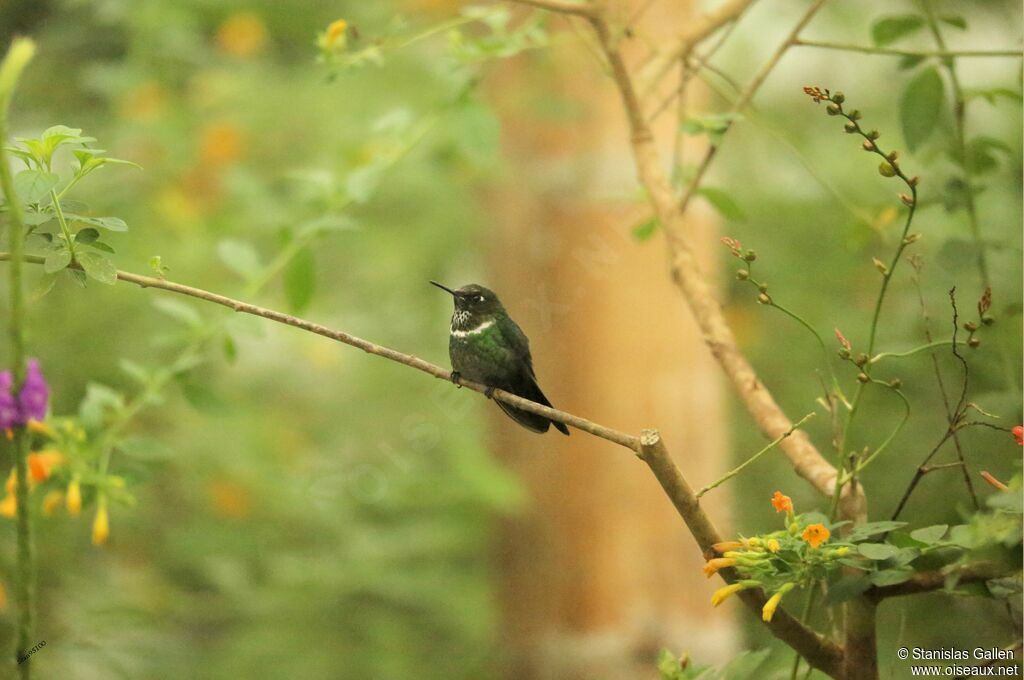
(288, 525)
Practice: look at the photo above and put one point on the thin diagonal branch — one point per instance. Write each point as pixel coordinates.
(649, 447)
(893, 52)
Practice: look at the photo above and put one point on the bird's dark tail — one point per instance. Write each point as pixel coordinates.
(531, 421)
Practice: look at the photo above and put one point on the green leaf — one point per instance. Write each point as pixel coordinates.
(955, 21)
(135, 371)
(888, 30)
(240, 257)
(99, 402)
(100, 245)
(203, 399)
(714, 125)
(979, 158)
(929, 535)
(178, 310)
(669, 667)
(920, 107)
(32, 185)
(877, 551)
(43, 286)
(230, 349)
(300, 280)
(863, 531)
(108, 223)
(744, 666)
(56, 260)
(156, 263)
(846, 588)
(98, 267)
(992, 95)
(645, 229)
(723, 203)
(909, 61)
(890, 577)
(87, 235)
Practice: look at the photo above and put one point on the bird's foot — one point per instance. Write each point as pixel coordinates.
(489, 392)
(455, 378)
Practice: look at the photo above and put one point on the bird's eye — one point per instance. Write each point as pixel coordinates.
(479, 298)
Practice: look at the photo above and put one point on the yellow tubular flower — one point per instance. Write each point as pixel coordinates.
(74, 498)
(772, 545)
(722, 594)
(768, 611)
(8, 506)
(101, 524)
(712, 566)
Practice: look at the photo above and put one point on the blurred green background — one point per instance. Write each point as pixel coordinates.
(306, 511)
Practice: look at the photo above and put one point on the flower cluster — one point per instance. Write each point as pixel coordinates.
(29, 404)
(778, 562)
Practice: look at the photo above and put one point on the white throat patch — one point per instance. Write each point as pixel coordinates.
(473, 331)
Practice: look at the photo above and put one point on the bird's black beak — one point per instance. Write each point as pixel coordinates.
(444, 288)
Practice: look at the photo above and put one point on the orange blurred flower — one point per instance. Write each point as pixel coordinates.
(782, 503)
(42, 463)
(221, 143)
(242, 35)
(334, 38)
(144, 102)
(816, 534)
(229, 499)
(725, 546)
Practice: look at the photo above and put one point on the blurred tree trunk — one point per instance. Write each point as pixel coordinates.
(599, 573)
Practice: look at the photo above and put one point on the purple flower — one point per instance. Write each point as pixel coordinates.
(34, 394)
(8, 406)
(30, 403)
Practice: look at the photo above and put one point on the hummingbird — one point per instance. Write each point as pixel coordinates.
(488, 347)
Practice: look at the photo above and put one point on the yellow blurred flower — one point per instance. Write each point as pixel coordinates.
(816, 534)
(52, 501)
(39, 427)
(8, 506)
(335, 37)
(101, 524)
(221, 143)
(772, 545)
(242, 35)
(3, 596)
(74, 497)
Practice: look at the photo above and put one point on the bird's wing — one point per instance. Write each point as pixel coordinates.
(517, 342)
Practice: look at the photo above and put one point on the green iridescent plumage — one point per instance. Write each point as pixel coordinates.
(487, 346)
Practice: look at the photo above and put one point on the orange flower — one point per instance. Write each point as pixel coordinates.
(782, 503)
(40, 464)
(726, 546)
(816, 534)
(221, 143)
(242, 35)
(712, 566)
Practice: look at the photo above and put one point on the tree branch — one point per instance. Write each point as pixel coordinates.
(893, 52)
(819, 652)
(698, 30)
(927, 581)
(770, 418)
(649, 447)
(622, 439)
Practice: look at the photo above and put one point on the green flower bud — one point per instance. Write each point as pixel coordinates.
(750, 256)
(843, 353)
(861, 359)
(743, 275)
(838, 98)
(970, 326)
(863, 377)
(885, 169)
(974, 343)
(850, 128)
(895, 383)
(764, 299)
(763, 287)
(832, 110)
